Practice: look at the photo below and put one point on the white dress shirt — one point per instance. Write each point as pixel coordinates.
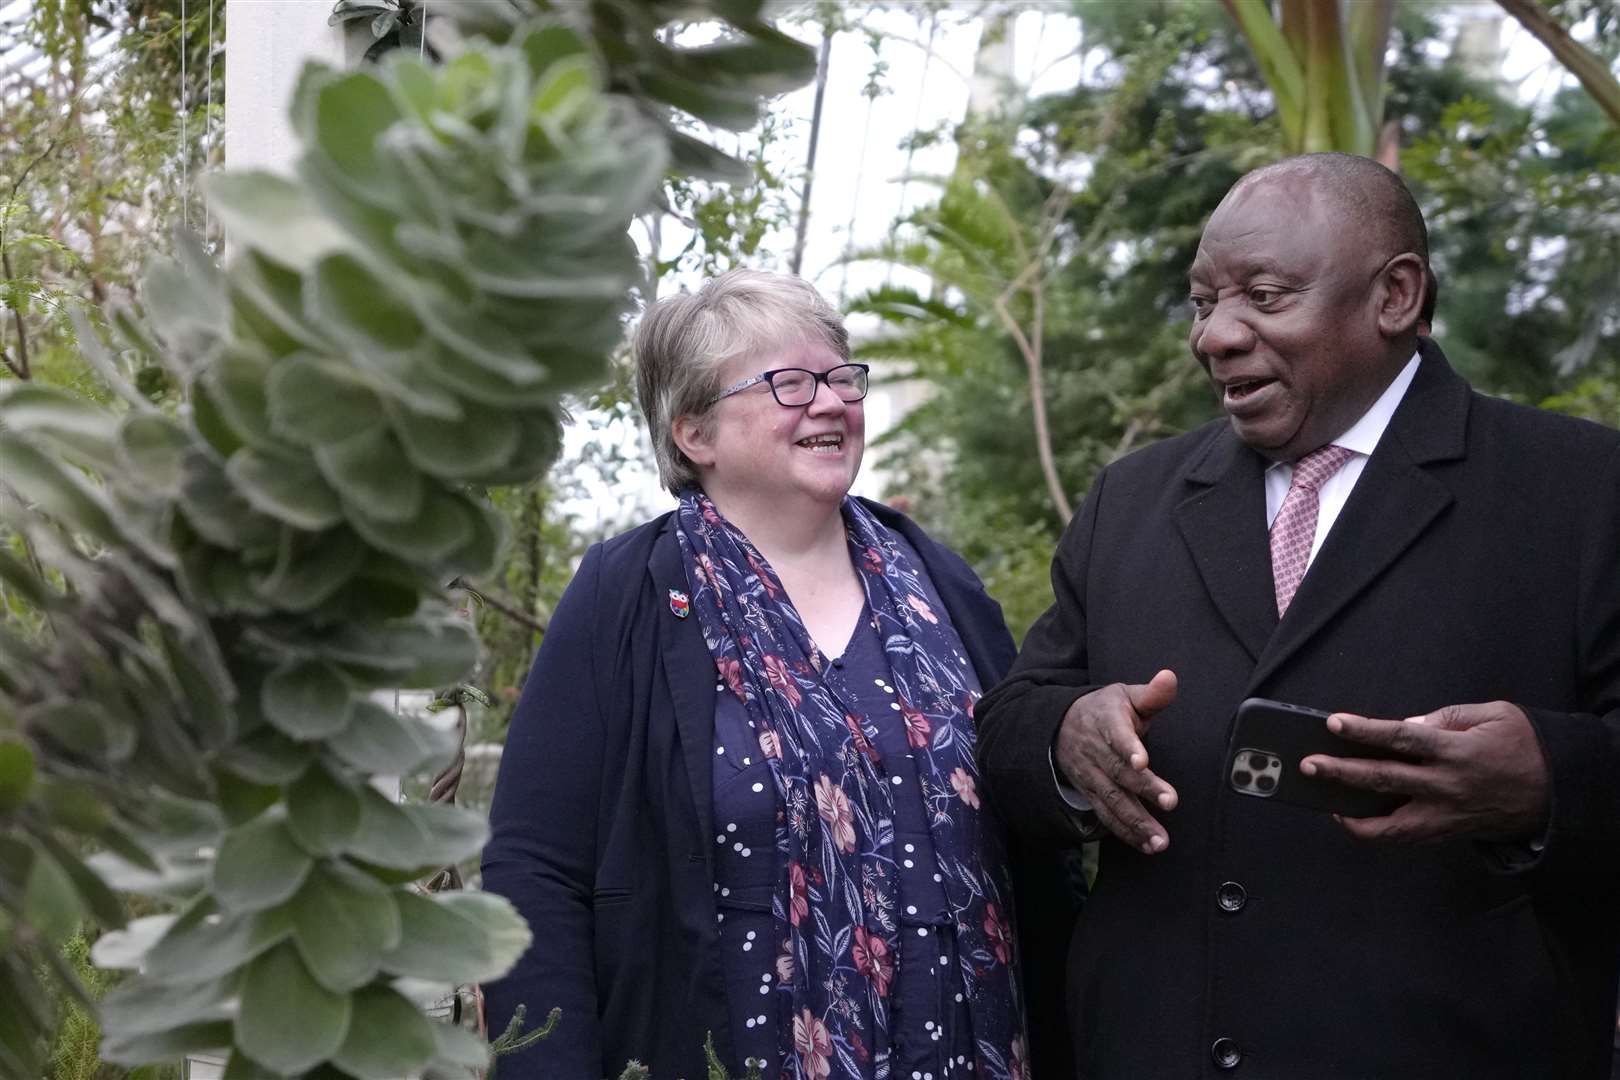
(1362, 438)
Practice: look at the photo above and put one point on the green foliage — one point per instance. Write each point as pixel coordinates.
(1094, 270)
(1525, 239)
(220, 591)
(717, 1070)
(97, 152)
(73, 1053)
(731, 222)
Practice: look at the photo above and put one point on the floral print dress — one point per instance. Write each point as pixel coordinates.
(930, 1028)
(848, 981)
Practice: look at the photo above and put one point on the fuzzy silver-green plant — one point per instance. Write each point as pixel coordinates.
(223, 590)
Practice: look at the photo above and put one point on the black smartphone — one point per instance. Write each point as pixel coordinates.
(1269, 740)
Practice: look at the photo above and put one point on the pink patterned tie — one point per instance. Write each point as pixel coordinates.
(1295, 526)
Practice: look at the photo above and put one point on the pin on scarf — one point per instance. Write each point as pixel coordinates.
(679, 603)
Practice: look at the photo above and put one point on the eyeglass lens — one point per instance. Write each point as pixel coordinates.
(796, 386)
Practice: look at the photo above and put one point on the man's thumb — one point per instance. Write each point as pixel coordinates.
(1155, 694)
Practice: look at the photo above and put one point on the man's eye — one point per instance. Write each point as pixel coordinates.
(1201, 305)
(1263, 296)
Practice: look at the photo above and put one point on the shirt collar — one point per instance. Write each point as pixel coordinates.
(1362, 436)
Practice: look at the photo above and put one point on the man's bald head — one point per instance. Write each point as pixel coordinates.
(1308, 291)
(1376, 208)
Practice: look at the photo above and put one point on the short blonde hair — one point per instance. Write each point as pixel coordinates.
(684, 343)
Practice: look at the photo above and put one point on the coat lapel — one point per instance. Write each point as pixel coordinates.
(689, 672)
(1223, 521)
(1394, 502)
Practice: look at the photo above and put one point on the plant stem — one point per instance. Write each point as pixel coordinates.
(810, 163)
(18, 367)
(500, 604)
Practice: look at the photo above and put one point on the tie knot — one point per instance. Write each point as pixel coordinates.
(1317, 467)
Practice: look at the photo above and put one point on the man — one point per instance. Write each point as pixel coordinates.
(1365, 535)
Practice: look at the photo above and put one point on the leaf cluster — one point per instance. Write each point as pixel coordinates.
(222, 590)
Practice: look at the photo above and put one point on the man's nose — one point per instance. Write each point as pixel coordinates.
(1222, 334)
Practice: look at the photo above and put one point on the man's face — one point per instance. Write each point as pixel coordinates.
(1285, 318)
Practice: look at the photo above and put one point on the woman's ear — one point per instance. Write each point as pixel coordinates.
(1404, 281)
(692, 437)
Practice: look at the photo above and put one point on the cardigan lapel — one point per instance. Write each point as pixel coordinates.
(1223, 522)
(689, 672)
(1393, 503)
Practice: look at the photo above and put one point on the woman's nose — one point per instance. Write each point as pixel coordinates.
(826, 399)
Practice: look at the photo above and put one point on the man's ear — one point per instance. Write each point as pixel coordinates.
(1400, 302)
(694, 439)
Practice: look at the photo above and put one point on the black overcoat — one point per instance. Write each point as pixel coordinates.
(1478, 558)
(602, 828)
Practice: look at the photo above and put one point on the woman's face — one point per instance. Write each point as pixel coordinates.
(758, 452)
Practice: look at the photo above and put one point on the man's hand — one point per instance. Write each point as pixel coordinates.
(1099, 748)
(1476, 770)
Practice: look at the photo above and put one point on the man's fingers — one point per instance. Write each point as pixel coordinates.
(1408, 824)
(1125, 761)
(1463, 717)
(1100, 750)
(1122, 812)
(1142, 783)
(1408, 738)
(1118, 735)
(1152, 696)
(1389, 777)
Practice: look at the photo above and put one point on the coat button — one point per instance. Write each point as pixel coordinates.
(1231, 896)
(1226, 1053)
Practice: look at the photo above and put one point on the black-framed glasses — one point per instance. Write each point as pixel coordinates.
(794, 386)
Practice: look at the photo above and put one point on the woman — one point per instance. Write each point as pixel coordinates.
(738, 797)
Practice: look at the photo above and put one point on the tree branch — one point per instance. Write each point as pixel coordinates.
(1037, 401)
(1577, 59)
(20, 366)
(1032, 345)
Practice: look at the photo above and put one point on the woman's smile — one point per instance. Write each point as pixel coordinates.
(829, 444)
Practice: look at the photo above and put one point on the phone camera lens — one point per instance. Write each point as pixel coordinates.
(1265, 783)
(1242, 778)
(1259, 761)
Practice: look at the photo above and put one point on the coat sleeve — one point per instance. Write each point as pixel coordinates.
(1583, 748)
(542, 849)
(1019, 719)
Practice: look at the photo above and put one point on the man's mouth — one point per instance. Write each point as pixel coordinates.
(822, 444)
(1242, 389)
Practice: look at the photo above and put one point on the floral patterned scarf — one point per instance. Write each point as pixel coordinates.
(837, 879)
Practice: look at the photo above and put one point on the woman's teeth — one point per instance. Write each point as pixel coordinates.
(823, 444)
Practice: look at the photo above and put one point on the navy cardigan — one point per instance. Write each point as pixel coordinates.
(602, 823)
